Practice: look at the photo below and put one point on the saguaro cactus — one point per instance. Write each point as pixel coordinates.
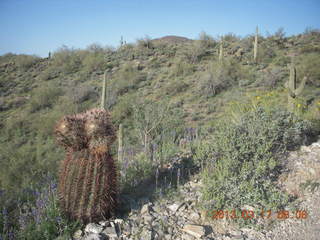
(255, 45)
(120, 144)
(221, 50)
(88, 175)
(104, 91)
(293, 91)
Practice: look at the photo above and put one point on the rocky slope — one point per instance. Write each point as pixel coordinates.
(180, 218)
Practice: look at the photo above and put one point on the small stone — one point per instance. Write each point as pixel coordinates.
(187, 237)
(93, 228)
(174, 207)
(110, 232)
(148, 218)
(145, 209)
(195, 230)
(119, 221)
(104, 223)
(78, 234)
(146, 234)
(167, 237)
(94, 236)
(195, 216)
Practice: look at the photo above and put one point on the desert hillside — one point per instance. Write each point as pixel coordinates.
(205, 124)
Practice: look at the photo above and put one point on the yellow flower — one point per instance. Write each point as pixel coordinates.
(299, 105)
(258, 97)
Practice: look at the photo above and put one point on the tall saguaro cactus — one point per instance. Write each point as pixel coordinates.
(221, 50)
(88, 176)
(293, 90)
(255, 45)
(104, 91)
(120, 144)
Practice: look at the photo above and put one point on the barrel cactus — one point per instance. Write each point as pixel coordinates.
(88, 175)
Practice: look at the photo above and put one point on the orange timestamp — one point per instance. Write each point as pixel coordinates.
(264, 214)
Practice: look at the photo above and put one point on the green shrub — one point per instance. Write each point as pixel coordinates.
(94, 62)
(246, 160)
(24, 62)
(176, 86)
(308, 67)
(128, 78)
(43, 97)
(34, 214)
(140, 166)
(49, 73)
(219, 77)
(206, 41)
(182, 68)
(192, 52)
(68, 60)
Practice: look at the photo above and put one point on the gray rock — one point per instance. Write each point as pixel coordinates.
(148, 218)
(94, 236)
(147, 234)
(110, 232)
(77, 235)
(93, 228)
(195, 216)
(104, 223)
(187, 237)
(194, 230)
(119, 221)
(175, 207)
(145, 209)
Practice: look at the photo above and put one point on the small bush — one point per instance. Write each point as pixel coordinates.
(270, 78)
(140, 166)
(49, 73)
(246, 159)
(35, 215)
(182, 68)
(308, 67)
(175, 87)
(24, 62)
(68, 60)
(206, 41)
(44, 96)
(219, 77)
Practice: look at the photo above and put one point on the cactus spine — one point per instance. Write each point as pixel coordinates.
(293, 91)
(255, 45)
(88, 175)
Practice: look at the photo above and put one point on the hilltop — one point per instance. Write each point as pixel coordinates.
(171, 39)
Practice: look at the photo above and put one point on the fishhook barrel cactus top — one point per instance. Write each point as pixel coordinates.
(88, 176)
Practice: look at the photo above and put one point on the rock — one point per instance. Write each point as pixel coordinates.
(174, 207)
(148, 218)
(104, 223)
(147, 234)
(110, 232)
(93, 228)
(94, 236)
(194, 216)
(187, 237)
(77, 235)
(119, 221)
(194, 230)
(145, 209)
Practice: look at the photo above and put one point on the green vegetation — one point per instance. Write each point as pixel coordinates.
(247, 157)
(157, 89)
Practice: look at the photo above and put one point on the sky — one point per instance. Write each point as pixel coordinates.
(39, 26)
